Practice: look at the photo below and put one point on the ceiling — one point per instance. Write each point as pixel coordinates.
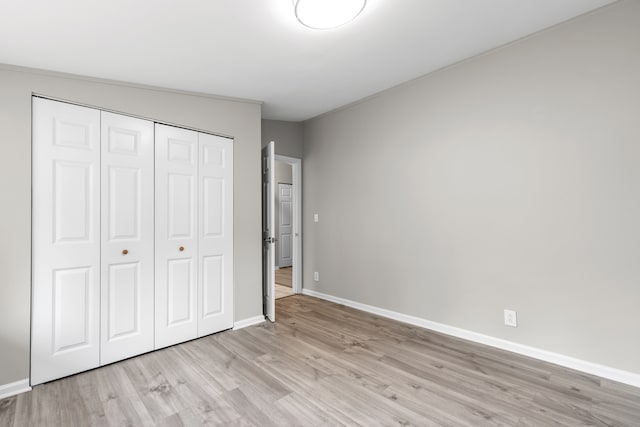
(256, 49)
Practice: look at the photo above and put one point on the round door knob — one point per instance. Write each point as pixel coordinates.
(181, 248)
(124, 252)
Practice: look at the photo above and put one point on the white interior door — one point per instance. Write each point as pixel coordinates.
(66, 240)
(127, 306)
(215, 231)
(176, 278)
(285, 225)
(268, 228)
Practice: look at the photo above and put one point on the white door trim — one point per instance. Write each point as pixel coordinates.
(296, 174)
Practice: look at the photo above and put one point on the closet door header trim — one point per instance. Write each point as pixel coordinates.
(79, 104)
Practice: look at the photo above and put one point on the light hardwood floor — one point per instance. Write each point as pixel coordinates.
(283, 291)
(325, 364)
(284, 280)
(284, 276)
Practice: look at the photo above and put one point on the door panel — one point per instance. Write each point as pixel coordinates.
(176, 242)
(124, 301)
(213, 281)
(215, 285)
(70, 132)
(124, 199)
(180, 204)
(181, 151)
(123, 141)
(71, 309)
(179, 288)
(213, 209)
(66, 234)
(127, 326)
(72, 199)
(285, 238)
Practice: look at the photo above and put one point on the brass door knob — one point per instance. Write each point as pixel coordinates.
(124, 252)
(181, 248)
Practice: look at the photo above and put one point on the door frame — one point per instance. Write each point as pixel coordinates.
(296, 209)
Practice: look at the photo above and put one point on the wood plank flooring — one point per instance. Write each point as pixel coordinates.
(325, 364)
(284, 276)
(284, 280)
(283, 291)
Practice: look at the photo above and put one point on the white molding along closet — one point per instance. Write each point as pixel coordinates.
(132, 237)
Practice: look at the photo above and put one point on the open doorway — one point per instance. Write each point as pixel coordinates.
(288, 274)
(284, 229)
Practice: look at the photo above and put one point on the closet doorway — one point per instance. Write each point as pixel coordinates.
(132, 237)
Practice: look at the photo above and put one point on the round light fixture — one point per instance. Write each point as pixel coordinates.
(327, 14)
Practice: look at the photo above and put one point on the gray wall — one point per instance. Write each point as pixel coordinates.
(511, 180)
(283, 175)
(239, 119)
(287, 136)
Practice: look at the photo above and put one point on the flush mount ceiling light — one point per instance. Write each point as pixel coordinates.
(327, 14)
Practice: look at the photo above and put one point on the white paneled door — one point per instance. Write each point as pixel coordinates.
(66, 240)
(215, 231)
(176, 238)
(285, 225)
(268, 230)
(127, 302)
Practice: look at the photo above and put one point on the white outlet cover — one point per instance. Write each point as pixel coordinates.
(316, 276)
(511, 318)
(315, 218)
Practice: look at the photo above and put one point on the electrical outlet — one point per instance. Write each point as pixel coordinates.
(511, 318)
(316, 276)
(315, 218)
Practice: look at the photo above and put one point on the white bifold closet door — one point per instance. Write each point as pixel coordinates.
(65, 335)
(194, 235)
(127, 302)
(215, 234)
(93, 235)
(132, 237)
(176, 242)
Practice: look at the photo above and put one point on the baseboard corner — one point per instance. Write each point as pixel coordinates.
(16, 387)
(245, 323)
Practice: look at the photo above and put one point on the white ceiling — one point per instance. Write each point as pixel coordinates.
(256, 49)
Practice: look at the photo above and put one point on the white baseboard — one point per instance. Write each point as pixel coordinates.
(11, 389)
(603, 371)
(248, 322)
